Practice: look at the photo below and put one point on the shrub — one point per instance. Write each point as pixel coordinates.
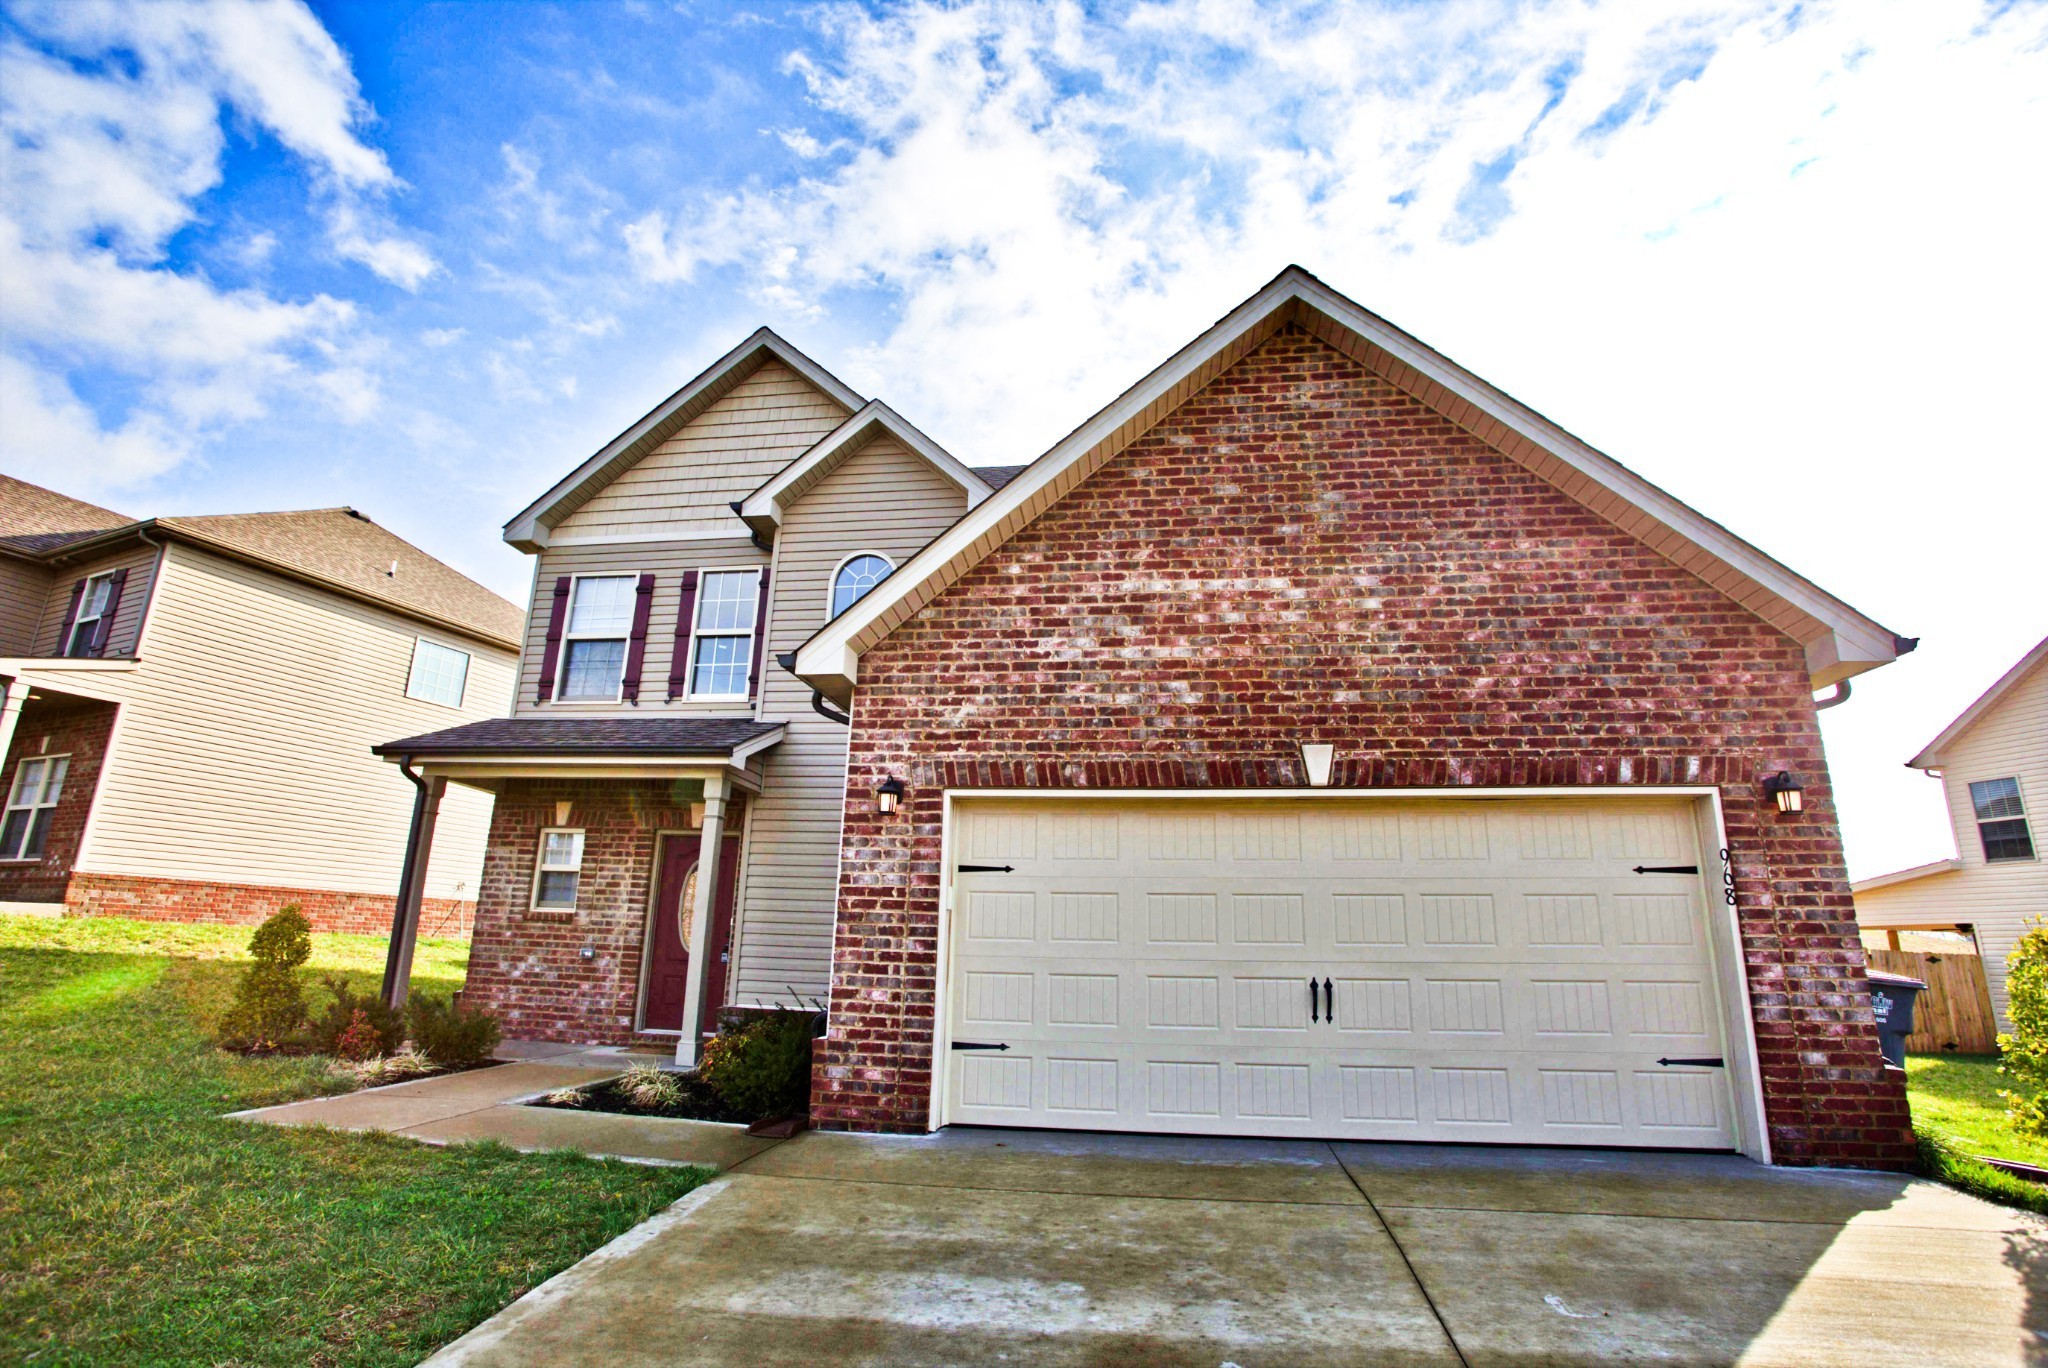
(650, 1086)
(269, 1009)
(392, 1068)
(763, 1069)
(2025, 1051)
(450, 1034)
(357, 1026)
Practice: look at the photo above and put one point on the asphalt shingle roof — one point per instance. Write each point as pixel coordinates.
(34, 519)
(588, 736)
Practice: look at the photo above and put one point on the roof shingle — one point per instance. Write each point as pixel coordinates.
(592, 736)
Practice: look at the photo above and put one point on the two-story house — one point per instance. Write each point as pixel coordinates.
(1315, 742)
(187, 705)
(1993, 765)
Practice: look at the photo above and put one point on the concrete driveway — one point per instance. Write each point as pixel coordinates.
(1038, 1248)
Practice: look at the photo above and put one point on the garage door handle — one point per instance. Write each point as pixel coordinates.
(977, 1045)
(1665, 869)
(1329, 1001)
(1695, 1063)
(1312, 999)
(986, 869)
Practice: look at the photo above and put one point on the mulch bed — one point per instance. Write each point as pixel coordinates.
(698, 1102)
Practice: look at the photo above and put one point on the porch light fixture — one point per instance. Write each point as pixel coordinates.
(888, 795)
(1785, 788)
(1316, 759)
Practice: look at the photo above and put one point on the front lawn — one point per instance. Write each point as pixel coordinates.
(1958, 1114)
(136, 1225)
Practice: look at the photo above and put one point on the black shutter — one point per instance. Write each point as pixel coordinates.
(636, 645)
(70, 616)
(557, 614)
(760, 636)
(679, 658)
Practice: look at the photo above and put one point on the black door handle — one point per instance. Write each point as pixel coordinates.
(1329, 1001)
(1312, 999)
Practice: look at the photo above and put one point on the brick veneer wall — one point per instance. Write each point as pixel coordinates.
(45, 727)
(527, 967)
(1304, 552)
(194, 900)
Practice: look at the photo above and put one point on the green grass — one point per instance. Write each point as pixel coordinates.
(1958, 1114)
(137, 1225)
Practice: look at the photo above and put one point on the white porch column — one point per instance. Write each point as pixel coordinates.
(13, 693)
(709, 847)
(412, 889)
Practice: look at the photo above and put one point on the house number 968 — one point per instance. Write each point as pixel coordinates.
(1727, 878)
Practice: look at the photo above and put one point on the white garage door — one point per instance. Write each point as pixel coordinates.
(1490, 970)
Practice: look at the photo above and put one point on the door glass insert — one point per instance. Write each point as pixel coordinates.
(684, 907)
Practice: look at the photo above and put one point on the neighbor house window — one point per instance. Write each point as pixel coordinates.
(438, 673)
(2002, 820)
(722, 652)
(31, 803)
(855, 578)
(92, 606)
(561, 869)
(594, 646)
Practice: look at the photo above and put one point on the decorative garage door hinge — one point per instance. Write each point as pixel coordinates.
(987, 869)
(1667, 869)
(977, 1045)
(1695, 1063)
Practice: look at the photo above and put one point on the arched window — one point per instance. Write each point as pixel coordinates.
(854, 578)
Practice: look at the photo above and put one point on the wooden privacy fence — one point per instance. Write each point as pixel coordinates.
(1954, 1015)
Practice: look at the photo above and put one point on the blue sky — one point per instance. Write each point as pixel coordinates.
(1782, 259)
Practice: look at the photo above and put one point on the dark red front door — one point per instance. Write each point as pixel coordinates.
(668, 966)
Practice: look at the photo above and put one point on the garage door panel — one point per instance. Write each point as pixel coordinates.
(1493, 971)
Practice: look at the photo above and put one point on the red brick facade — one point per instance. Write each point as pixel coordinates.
(194, 900)
(527, 967)
(1304, 552)
(46, 727)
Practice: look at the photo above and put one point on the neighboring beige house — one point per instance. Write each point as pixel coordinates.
(1993, 765)
(187, 707)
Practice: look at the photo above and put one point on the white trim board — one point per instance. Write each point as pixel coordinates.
(763, 509)
(1839, 641)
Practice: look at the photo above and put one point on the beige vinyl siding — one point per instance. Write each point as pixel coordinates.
(242, 749)
(139, 561)
(880, 499)
(2010, 741)
(666, 561)
(24, 588)
(684, 486)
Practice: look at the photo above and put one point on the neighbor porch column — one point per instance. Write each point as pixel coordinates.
(412, 886)
(13, 693)
(709, 848)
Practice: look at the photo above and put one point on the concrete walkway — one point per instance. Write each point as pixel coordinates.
(1042, 1248)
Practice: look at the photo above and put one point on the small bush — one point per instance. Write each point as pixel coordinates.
(650, 1086)
(356, 1026)
(450, 1034)
(392, 1068)
(566, 1097)
(763, 1069)
(269, 1010)
(2025, 1051)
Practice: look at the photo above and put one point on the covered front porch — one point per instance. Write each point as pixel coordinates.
(614, 852)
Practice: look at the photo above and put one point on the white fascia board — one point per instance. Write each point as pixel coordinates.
(1900, 876)
(763, 509)
(1930, 756)
(1853, 644)
(528, 530)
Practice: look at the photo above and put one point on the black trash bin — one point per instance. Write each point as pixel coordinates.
(1892, 997)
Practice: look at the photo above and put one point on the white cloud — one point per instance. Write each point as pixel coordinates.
(52, 437)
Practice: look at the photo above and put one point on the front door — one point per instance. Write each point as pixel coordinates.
(675, 897)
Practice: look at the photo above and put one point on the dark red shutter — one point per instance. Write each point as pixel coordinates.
(70, 616)
(636, 645)
(679, 659)
(105, 626)
(558, 614)
(760, 635)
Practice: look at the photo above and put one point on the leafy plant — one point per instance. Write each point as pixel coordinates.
(269, 1008)
(763, 1069)
(650, 1086)
(395, 1067)
(450, 1034)
(566, 1097)
(2025, 1052)
(357, 1026)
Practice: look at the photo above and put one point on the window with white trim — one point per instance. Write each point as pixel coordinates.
(722, 640)
(558, 870)
(438, 673)
(594, 641)
(2001, 820)
(92, 606)
(31, 804)
(859, 574)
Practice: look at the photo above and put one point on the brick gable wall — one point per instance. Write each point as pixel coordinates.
(1304, 552)
(47, 727)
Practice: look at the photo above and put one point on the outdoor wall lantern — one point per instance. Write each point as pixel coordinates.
(1316, 759)
(888, 795)
(1784, 787)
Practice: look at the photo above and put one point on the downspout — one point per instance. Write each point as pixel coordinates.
(394, 956)
(1835, 699)
(819, 704)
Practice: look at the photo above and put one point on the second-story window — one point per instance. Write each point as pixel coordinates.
(594, 645)
(853, 580)
(438, 673)
(93, 602)
(722, 649)
(2001, 820)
